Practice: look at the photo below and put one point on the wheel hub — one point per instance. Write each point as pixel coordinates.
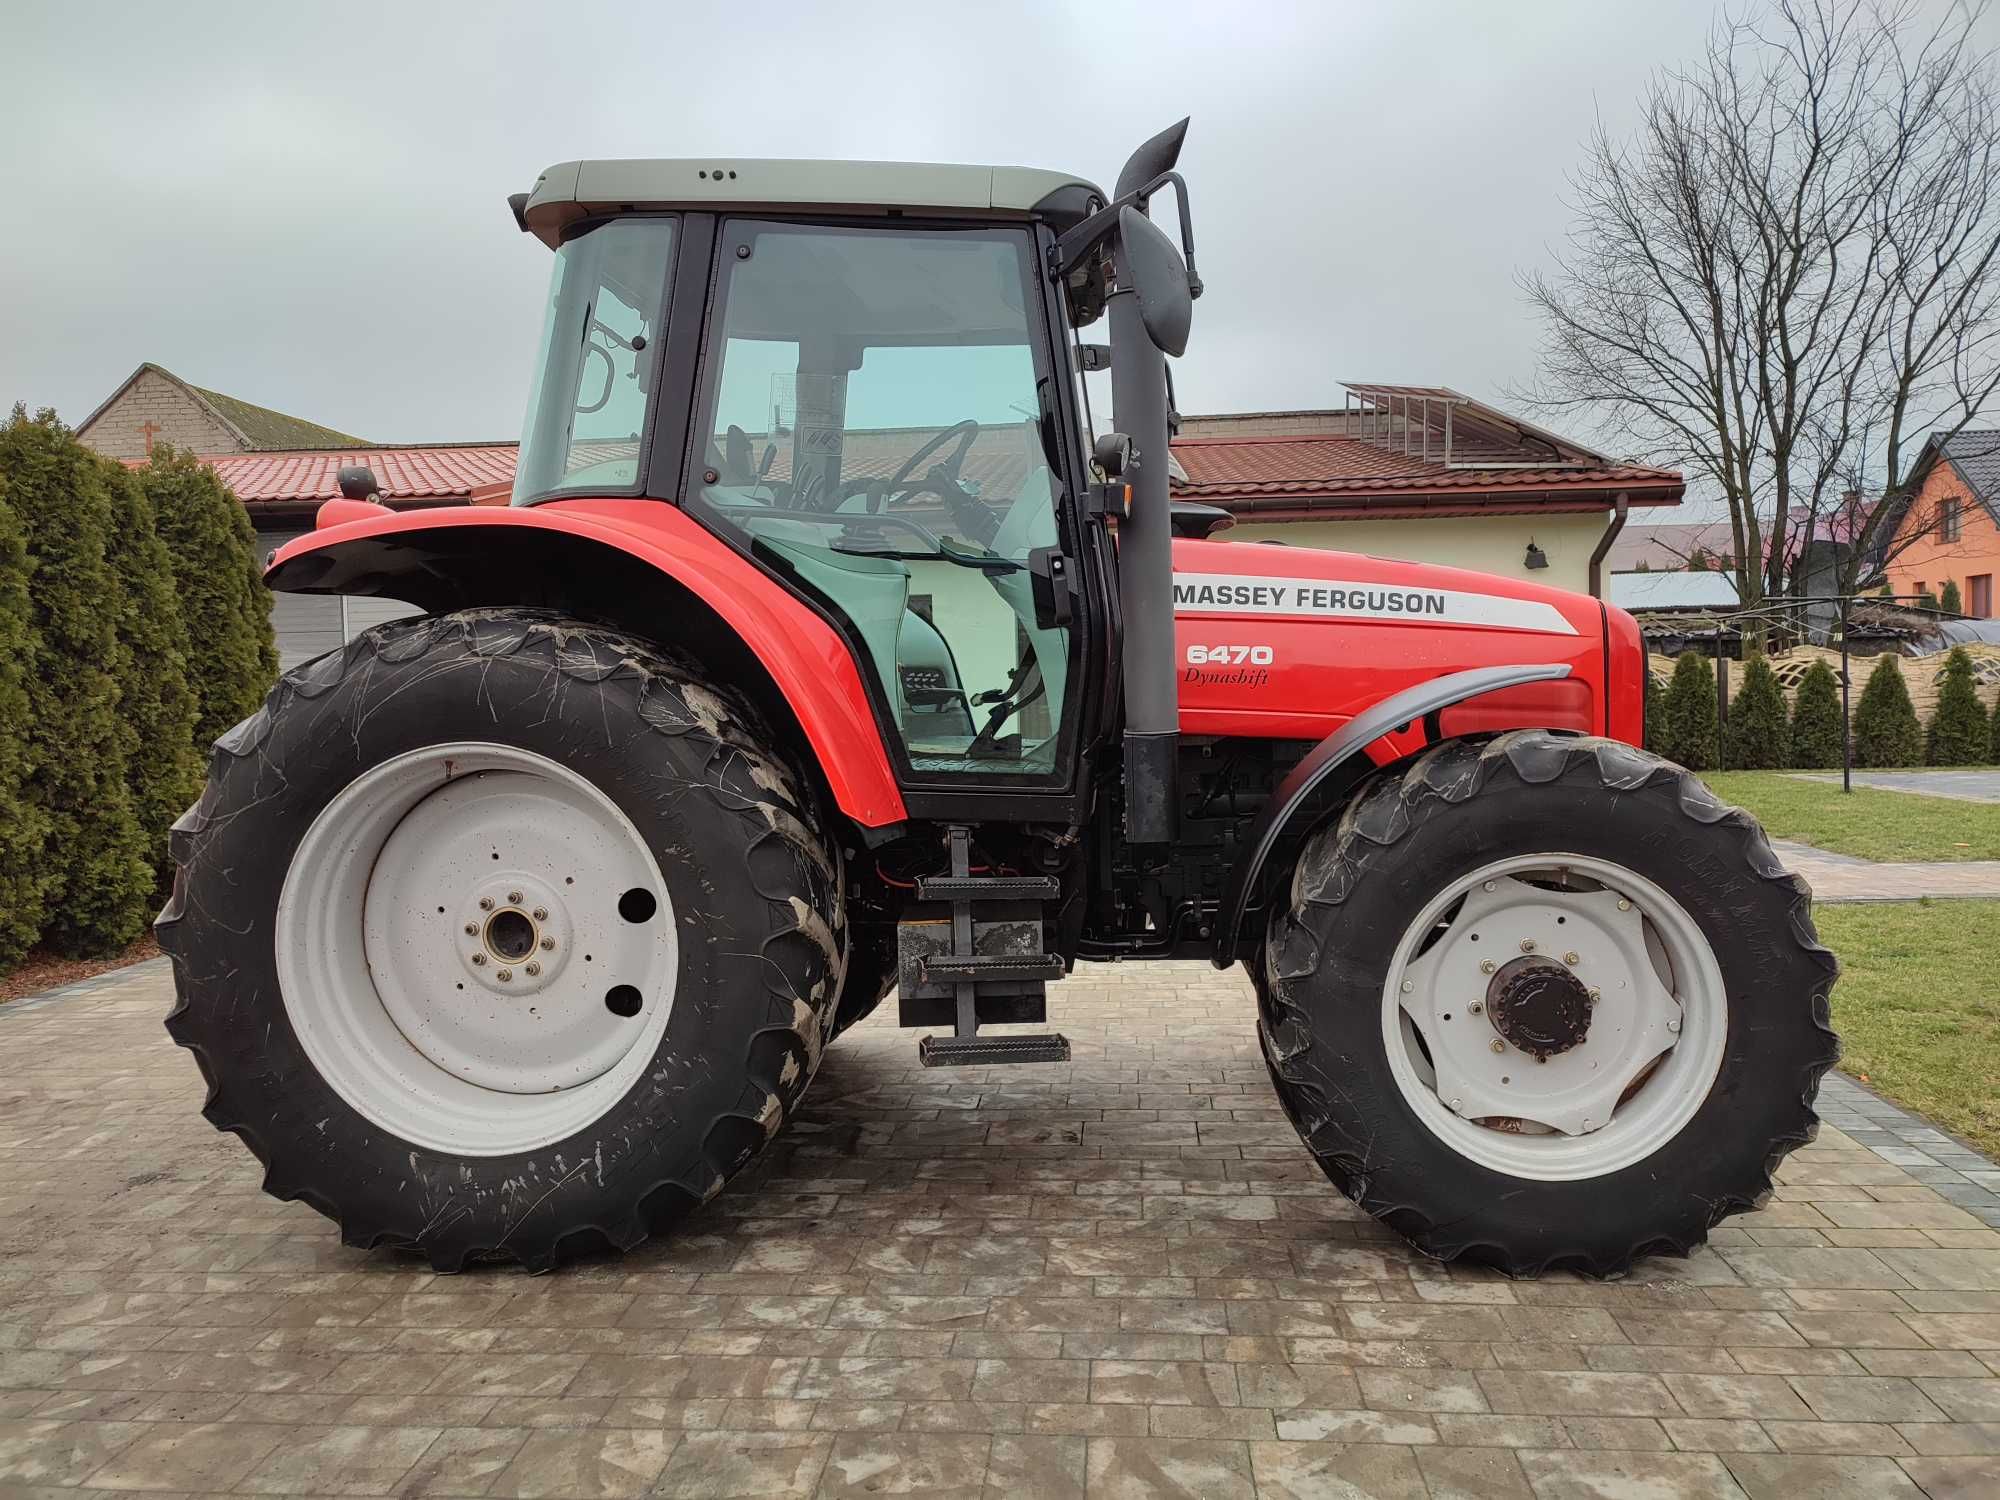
(515, 931)
(1539, 1006)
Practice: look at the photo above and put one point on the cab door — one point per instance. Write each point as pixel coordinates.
(875, 427)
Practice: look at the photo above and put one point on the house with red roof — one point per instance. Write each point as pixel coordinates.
(1417, 472)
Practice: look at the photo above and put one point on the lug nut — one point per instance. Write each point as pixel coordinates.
(503, 974)
(1457, 1104)
(1488, 886)
(1476, 1007)
(513, 898)
(1408, 986)
(472, 929)
(1674, 1024)
(1540, 1059)
(1527, 945)
(1623, 905)
(1497, 1045)
(1595, 997)
(486, 903)
(1571, 959)
(541, 914)
(1487, 966)
(531, 968)
(478, 960)
(548, 943)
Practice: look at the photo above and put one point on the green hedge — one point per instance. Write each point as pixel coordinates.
(157, 702)
(99, 883)
(24, 878)
(234, 656)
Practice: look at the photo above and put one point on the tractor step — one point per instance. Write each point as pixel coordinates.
(977, 968)
(987, 888)
(985, 1051)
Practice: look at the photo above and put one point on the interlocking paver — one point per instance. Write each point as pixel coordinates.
(1118, 1277)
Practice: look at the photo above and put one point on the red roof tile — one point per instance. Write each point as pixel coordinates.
(1340, 469)
(427, 473)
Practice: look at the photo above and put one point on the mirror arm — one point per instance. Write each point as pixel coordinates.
(1070, 249)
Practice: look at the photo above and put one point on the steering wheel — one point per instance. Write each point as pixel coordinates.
(942, 479)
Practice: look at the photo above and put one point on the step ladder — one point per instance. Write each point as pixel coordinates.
(971, 955)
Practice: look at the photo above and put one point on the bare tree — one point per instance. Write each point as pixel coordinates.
(1789, 275)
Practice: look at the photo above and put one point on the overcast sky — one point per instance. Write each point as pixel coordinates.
(304, 205)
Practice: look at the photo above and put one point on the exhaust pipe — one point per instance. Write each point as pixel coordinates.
(1148, 320)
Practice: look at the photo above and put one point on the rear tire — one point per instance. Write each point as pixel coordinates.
(1709, 1075)
(563, 1047)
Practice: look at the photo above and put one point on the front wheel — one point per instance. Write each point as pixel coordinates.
(1545, 1002)
(499, 935)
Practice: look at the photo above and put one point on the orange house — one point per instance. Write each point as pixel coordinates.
(1949, 528)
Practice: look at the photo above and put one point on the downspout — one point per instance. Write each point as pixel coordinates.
(1618, 510)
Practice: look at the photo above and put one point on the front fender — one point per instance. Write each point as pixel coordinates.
(1338, 749)
(578, 554)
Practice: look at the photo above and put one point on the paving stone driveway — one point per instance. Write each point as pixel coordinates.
(1119, 1277)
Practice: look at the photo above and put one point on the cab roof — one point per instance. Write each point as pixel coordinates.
(574, 190)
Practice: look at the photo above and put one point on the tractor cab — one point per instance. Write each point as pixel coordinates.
(864, 378)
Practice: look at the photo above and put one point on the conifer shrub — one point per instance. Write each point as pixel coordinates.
(1656, 715)
(1759, 733)
(1816, 740)
(1690, 735)
(1949, 599)
(23, 880)
(1886, 731)
(1959, 733)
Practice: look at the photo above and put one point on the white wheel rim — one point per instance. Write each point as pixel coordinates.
(462, 954)
(1646, 1059)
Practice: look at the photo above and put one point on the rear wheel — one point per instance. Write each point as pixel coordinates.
(499, 936)
(1545, 1002)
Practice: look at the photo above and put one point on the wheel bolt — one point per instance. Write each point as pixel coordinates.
(472, 929)
(1571, 959)
(478, 960)
(1527, 945)
(1457, 1104)
(541, 914)
(1674, 1024)
(1487, 966)
(548, 942)
(503, 974)
(1476, 1007)
(531, 968)
(486, 903)
(1488, 886)
(1497, 1045)
(513, 898)
(1594, 997)
(1623, 905)
(1408, 986)
(1540, 1059)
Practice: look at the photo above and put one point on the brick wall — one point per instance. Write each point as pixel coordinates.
(119, 430)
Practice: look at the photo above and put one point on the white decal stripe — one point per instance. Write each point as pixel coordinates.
(1334, 598)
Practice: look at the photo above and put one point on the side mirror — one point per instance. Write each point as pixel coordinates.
(1159, 280)
(1113, 453)
(1150, 160)
(357, 482)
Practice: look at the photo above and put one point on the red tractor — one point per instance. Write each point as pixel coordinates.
(823, 652)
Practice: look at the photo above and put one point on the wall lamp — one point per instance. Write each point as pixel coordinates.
(1536, 558)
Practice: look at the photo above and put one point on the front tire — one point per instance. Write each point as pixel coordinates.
(500, 936)
(1545, 1002)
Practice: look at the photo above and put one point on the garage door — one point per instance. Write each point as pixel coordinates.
(309, 625)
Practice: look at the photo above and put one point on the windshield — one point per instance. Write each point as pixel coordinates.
(587, 411)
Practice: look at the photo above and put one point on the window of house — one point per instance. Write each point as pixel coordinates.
(1950, 524)
(1979, 596)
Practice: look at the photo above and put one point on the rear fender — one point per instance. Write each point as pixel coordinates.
(642, 565)
(1338, 760)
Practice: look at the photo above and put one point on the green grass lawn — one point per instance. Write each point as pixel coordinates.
(1918, 1007)
(1870, 823)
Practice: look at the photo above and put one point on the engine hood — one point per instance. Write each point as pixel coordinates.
(1273, 640)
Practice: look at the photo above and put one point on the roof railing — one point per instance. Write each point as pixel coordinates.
(1437, 425)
